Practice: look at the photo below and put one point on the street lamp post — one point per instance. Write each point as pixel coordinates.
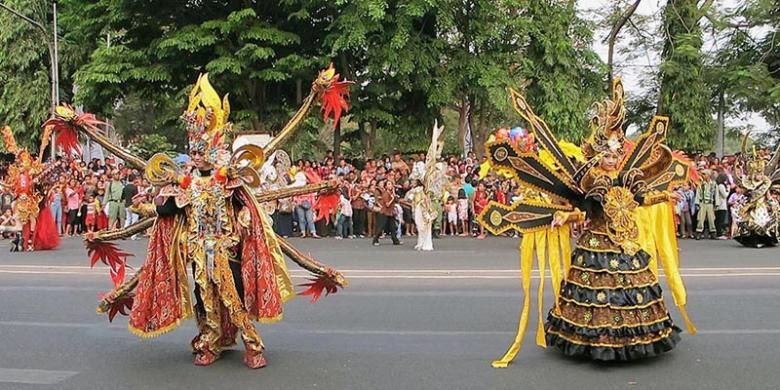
(53, 57)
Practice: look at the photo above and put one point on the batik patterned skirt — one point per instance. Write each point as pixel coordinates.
(611, 308)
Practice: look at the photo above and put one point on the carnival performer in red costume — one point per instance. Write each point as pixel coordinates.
(210, 219)
(38, 229)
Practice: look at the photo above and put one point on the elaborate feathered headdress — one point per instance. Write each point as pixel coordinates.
(206, 121)
(607, 124)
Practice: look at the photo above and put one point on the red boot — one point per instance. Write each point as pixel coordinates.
(254, 359)
(195, 344)
(205, 358)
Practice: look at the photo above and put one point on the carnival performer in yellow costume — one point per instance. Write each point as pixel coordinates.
(608, 304)
(208, 219)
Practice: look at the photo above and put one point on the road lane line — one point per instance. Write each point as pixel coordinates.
(478, 270)
(370, 275)
(34, 377)
(376, 332)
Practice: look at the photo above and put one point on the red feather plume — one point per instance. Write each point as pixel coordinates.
(334, 100)
(109, 254)
(122, 305)
(66, 122)
(318, 285)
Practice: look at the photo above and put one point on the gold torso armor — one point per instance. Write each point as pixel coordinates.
(211, 222)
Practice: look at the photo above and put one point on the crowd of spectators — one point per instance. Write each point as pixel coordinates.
(371, 197)
(709, 209)
(87, 197)
(370, 200)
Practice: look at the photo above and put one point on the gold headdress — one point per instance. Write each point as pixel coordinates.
(207, 125)
(10, 141)
(23, 157)
(607, 124)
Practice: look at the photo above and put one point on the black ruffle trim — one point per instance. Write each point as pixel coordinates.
(561, 326)
(756, 241)
(599, 261)
(617, 297)
(628, 352)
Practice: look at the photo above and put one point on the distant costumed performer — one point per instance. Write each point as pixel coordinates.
(759, 216)
(210, 219)
(430, 187)
(28, 180)
(608, 303)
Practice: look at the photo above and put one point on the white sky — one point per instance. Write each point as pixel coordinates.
(631, 72)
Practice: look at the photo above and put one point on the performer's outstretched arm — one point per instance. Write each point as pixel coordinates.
(308, 263)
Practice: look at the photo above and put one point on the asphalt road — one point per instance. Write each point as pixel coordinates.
(408, 320)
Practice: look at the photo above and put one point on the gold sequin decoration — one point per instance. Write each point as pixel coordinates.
(584, 277)
(617, 319)
(495, 218)
(621, 279)
(587, 316)
(640, 298)
(601, 296)
(636, 263)
(645, 315)
(613, 263)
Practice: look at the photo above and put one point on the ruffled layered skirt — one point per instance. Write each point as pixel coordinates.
(611, 308)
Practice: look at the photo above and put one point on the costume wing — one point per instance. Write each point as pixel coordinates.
(773, 167)
(650, 162)
(522, 216)
(530, 171)
(543, 134)
(434, 152)
(678, 172)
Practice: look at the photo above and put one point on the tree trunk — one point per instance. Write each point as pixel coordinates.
(463, 114)
(337, 139)
(476, 130)
(298, 91)
(720, 136)
(367, 138)
(612, 38)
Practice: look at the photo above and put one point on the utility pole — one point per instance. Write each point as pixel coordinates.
(56, 76)
(52, 47)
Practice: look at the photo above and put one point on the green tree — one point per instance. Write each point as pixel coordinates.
(157, 49)
(684, 93)
(565, 75)
(147, 145)
(25, 77)
(390, 49)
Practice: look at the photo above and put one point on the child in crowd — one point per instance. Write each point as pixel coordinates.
(736, 201)
(481, 199)
(344, 225)
(684, 211)
(11, 228)
(452, 217)
(463, 212)
(91, 214)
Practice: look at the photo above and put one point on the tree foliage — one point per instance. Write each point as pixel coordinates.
(413, 61)
(25, 77)
(566, 76)
(684, 94)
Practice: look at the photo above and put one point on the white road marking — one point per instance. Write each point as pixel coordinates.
(375, 332)
(511, 270)
(34, 377)
(430, 274)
